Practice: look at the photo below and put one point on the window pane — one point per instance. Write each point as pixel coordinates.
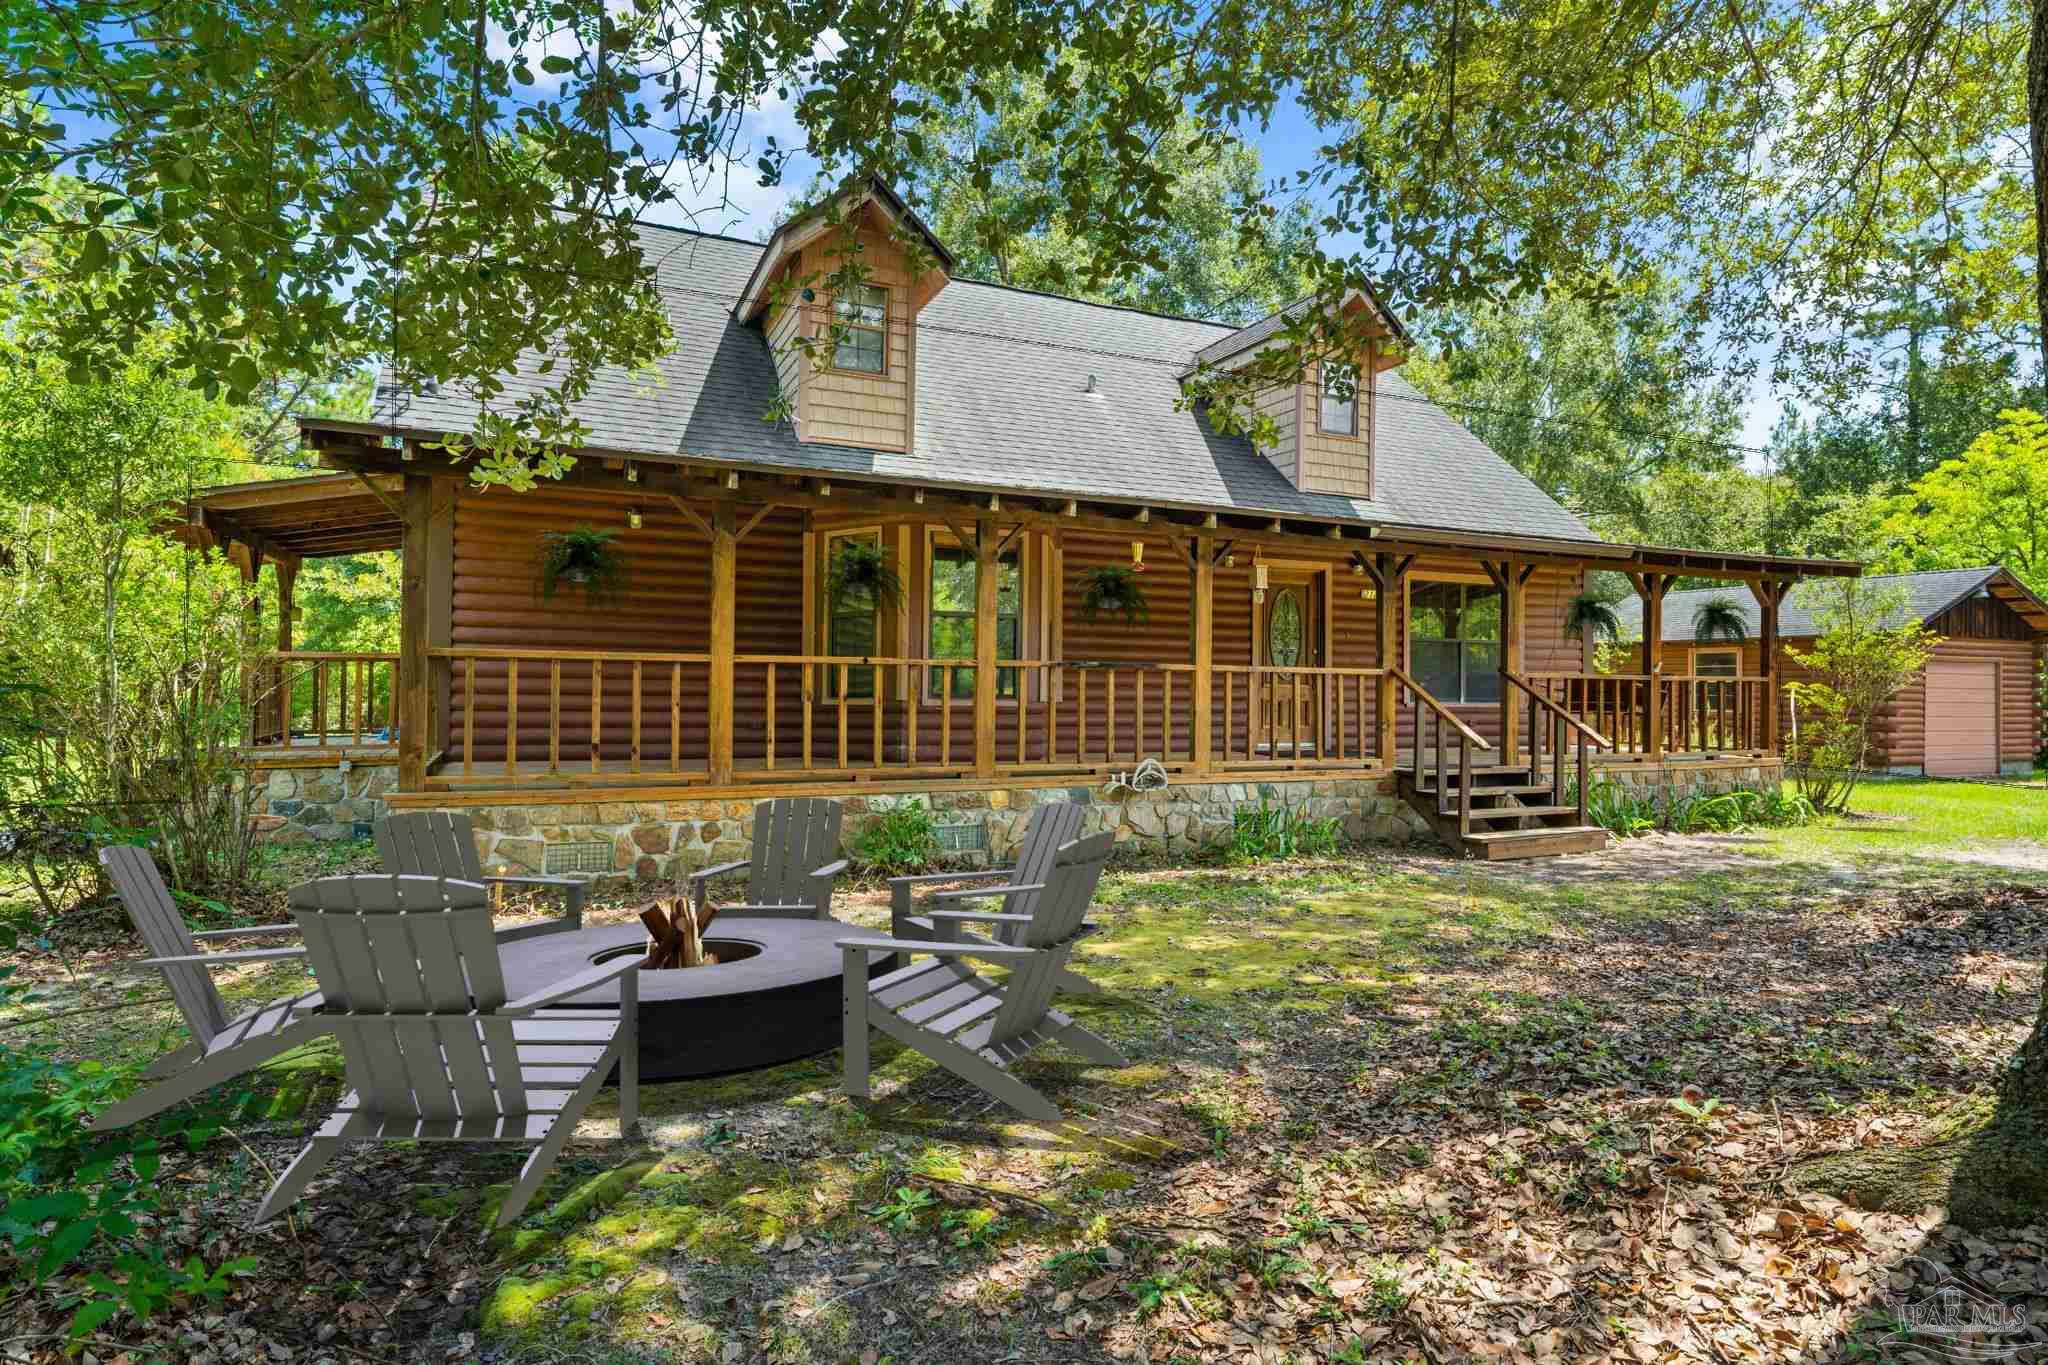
(1283, 630)
(1720, 664)
(1432, 608)
(1340, 399)
(853, 634)
(1436, 667)
(953, 581)
(1482, 671)
(860, 350)
(1481, 617)
(952, 637)
(868, 303)
(1009, 587)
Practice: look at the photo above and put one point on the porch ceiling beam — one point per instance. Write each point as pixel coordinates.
(282, 492)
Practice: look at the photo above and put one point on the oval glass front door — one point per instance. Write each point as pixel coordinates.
(1283, 630)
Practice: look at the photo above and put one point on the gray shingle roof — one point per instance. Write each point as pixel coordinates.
(1003, 404)
(1927, 594)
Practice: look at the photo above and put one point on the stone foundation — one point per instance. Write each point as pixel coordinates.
(1677, 780)
(655, 839)
(299, 804)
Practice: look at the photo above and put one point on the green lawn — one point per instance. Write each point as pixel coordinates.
(1386, 1107)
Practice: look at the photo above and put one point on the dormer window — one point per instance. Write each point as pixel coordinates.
(862, 314)
(1339, 414)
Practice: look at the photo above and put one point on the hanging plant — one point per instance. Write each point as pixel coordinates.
(859, 568)
(584, 557)
(1590, 612)
(1114, 589)
(1719, 619)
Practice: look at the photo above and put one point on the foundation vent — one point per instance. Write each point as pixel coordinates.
(567, 859)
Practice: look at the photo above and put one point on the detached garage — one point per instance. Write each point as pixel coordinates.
(1974, 712)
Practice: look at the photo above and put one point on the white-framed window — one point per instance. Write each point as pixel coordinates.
(1337, 414)
(1454, 640)
(852, 617)
(862, 316)
(1717, 663)
(951, 593)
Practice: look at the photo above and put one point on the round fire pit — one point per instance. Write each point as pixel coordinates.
(773, 996)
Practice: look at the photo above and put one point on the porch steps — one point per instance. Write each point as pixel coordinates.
(1508, 794)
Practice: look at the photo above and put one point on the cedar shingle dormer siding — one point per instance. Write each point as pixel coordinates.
(1314, 460)
(829, 403)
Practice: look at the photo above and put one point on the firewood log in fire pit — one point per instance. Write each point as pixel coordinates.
(677, 932)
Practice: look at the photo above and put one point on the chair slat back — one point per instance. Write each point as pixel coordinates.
(142, 891)
(1051, 825)
(430, 843)
(412, 967)
(1071, 886)
(793, 836)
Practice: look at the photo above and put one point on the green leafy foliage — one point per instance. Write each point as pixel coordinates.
(898, 841)
(1625, 813)
(1593, 614)
(1867, 650)
(1264, 832)
(73, 1203)
(1987, 505)
(1116, 590)
(586, 557)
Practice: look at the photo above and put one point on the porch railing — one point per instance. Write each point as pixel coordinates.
(1693, 713)
(558, 710)
(322, 698)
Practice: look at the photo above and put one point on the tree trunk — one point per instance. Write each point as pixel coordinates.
(2002, 1180)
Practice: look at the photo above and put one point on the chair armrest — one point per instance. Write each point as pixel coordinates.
(705, 874)
(832, 869)
(983, 893)
(575, 985)
(977, 948)
(928, 878)
(978, 915)
(534, 879)
(209, 959)
(251, 931)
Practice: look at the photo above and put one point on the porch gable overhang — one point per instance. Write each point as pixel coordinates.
(365, 449)
(316, 516)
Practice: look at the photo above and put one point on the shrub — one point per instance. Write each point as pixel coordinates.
(898, 841)
(1261, 832)
(1868, 650)
(1625, 814)
(72, 1201)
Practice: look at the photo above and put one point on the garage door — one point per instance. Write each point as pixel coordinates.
(1962, 719)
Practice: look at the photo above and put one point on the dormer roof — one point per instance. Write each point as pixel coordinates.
(792, 236)
(1245, 338)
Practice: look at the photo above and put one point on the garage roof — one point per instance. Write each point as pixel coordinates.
(1928, 595)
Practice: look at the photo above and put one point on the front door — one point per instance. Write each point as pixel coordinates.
(1291, 638)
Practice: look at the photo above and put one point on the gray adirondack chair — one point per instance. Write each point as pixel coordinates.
(437, 843)
(221, 1047)
(788, 875)
(973, 1026)
(432, 1049)
(1051, 825)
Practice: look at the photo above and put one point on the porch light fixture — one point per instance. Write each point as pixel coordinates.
(1137, 556)
(633, 518)
(632, 474)
(1230, 561)
(1259, 583)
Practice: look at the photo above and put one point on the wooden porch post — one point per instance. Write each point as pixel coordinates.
(278, 712)
(724, 633)
(249, 561)
(1651, 587)
(1769, 594)
(1388, 575)
(985, 647)
(1511, 578)
(440, 589)
(1202, 568)
(415, 699)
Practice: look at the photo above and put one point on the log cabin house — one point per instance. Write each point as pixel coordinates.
(1974, 711)
(1362, 619)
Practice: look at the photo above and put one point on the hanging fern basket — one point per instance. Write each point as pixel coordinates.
(1114, 590)
(862, 571)
(585, 558)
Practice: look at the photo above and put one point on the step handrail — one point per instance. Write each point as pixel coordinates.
(1422, 694)
(1567, 717)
